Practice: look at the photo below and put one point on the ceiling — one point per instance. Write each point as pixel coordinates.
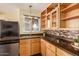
(10, 7)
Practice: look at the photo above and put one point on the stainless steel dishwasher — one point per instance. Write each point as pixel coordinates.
(9, 49)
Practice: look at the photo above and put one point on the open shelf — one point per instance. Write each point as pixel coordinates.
(69, 18)
(62, 24)
(68, 7)
(69, 15)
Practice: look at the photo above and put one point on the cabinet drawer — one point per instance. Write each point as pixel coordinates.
(24, 47)
(23, 42)
(35, 40)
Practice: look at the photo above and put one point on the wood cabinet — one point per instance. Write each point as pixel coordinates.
(60, 16)
(49, 17)
(50, 49)
(43, 18)
(43, 47)
(49, 52)
(29, 46)
(61, 52)
(35, 46)
(69, 15)
(25, 47)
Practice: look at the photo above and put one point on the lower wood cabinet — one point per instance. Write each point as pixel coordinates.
(61, 52)
(49, 52)
(50, 49)
(25, 47)
(29, 46)
(43, 47)
(35, 46)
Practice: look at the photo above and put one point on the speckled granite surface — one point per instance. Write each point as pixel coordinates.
(63, 38)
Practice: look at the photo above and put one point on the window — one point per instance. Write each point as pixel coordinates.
(31, 24)
(35, 25)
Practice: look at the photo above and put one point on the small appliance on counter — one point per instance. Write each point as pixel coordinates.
(9, 38)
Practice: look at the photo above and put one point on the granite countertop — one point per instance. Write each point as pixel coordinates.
(57, 45)
(67, 46)
(33, 35)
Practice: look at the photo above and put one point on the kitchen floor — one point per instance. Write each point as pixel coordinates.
(37, 55)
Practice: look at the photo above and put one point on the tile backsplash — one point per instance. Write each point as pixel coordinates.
(65, 33)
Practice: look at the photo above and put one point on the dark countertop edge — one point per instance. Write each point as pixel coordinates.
(29, 38)
(40, 33)
(8, 42)
(62, 48)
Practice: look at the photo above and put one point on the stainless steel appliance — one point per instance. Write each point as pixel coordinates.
(9, 49)
(9, 38)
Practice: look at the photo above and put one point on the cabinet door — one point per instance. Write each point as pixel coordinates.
(43, 47)
(62, 53)
(49, 52)
(35, 46)
(24, 47)
(50, 49)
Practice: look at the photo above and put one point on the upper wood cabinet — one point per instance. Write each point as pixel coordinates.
(43, 19)
(69, 13)
(60, 16)
(50, 18)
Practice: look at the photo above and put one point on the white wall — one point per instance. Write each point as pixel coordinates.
(8, 16)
